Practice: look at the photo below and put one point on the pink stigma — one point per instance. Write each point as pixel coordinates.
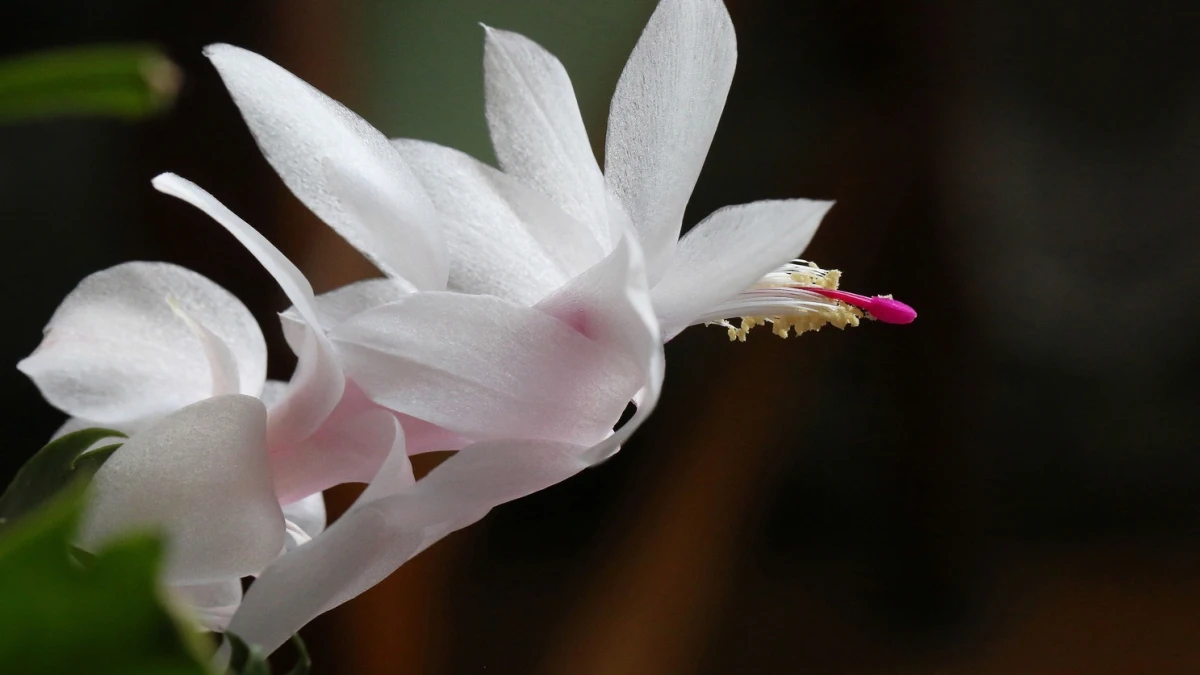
(886, 310)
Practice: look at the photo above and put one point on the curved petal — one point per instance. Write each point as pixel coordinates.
(388, 526)
(349, 447)
(336, 306)
(537, 131)
(663, 117)
(213, 604)
(611, 305)
(222, 364)
(340, 166)
(316, 387)
(305, 519)
(115, 352)
(505, 239)
(200, 474)
(485, 368)
(729, 251)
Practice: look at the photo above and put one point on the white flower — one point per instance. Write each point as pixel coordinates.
(519, 315)
(168, 356)
(738, 262)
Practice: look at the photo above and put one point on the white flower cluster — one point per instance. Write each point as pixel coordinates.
(522, 309)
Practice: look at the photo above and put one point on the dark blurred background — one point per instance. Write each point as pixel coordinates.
(1006, 486)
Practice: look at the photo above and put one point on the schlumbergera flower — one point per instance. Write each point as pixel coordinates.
(523, 309)
(519, 313)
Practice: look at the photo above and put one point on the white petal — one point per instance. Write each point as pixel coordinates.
(200, 474)
(385, 528)
(308, 514)
(663, 117)
(317, 384)
(610, 304)
(305, 519)
(340, 166)
(213, 604)
(485, 368)
(729, 251)
(115, 352)
(222, 364)
(339, 305)
(537, 131)
(505, 239)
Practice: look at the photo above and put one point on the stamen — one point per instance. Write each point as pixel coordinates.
(801, 297)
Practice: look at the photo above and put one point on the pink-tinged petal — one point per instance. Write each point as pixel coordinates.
(316, 387)
(339, 305)
(115, 352)
(212, 604)
(340, 166)
(728, 252)
(611, 305)
(485, 368)
(349, 447)
(312, 395)
(505, 239)
(663, 117)
(537, 131)
(387, 527)
(201, 476)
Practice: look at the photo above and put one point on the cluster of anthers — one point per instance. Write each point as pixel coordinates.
(802, 297)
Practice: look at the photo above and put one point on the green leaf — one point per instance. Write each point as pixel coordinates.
(125, 81)
(103, 618)
(245, 659)
(303, 661)
(55, 466)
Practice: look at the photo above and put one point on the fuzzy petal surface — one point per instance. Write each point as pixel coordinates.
(537, 131)
(663, 116)
(200, 475)
(340, 166)
(115, 351)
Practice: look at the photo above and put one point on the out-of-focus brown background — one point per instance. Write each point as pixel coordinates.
(1006, 486)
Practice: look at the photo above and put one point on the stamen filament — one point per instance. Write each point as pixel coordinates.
(800, 297)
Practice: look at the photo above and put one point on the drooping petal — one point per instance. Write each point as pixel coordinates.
(213, 604)
(485, 368)
(201, 475)
(386, 528)
(611, 304)
(339, 305)
(663, 117)
(505, 239)
(340, 166)
(115, 352)
(537, 131)
(316, 387)
(728, 252)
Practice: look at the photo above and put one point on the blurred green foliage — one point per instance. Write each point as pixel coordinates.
(124, 81)
(54, 467)
(102, 615)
